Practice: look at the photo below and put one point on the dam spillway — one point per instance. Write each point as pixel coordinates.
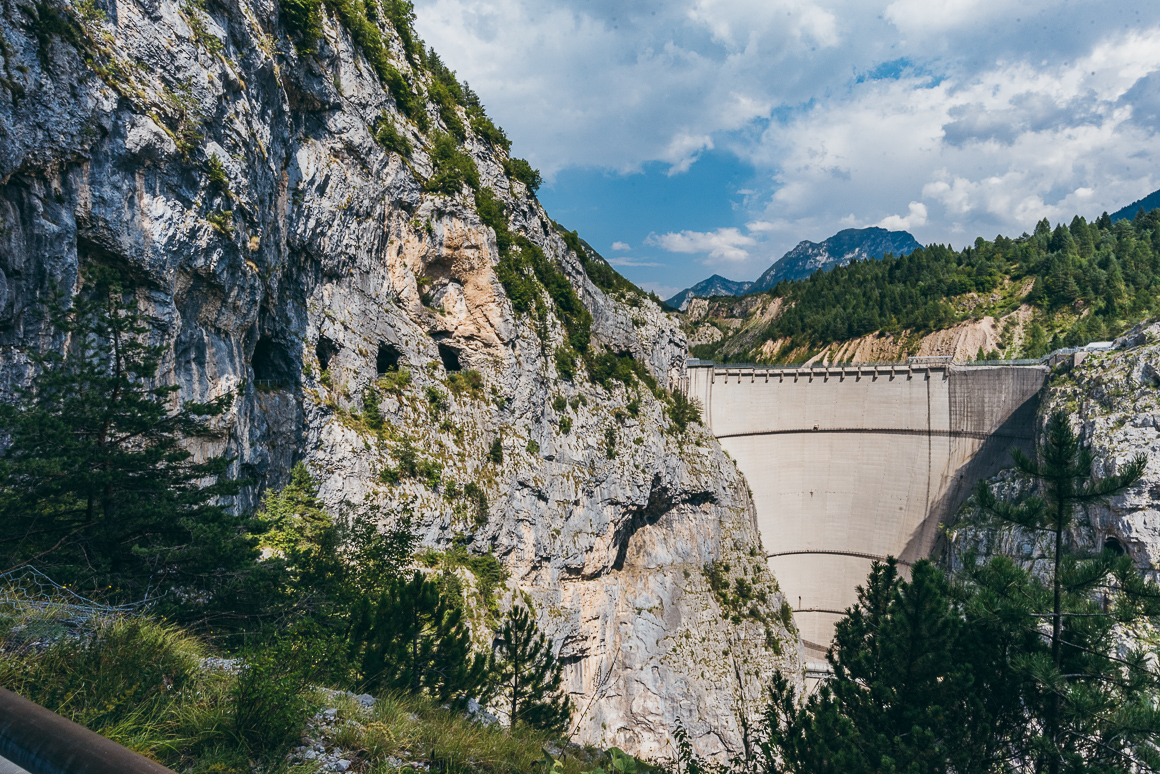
(848, 464)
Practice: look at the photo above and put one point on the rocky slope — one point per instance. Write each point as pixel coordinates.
(1114, 400)
(742, 324)
(283, 253)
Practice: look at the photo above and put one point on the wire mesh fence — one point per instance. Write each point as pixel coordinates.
(36, 611)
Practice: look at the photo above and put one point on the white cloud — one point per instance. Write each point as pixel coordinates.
(926, 16)
(989, 114)
(724, 244)
(915, 218)
(988, 152)
(621, 246)
(634, 262)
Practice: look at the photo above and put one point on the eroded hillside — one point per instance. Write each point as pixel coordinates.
(1003, 299)
(324, 221)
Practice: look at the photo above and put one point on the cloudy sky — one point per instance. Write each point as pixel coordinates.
(691, 137)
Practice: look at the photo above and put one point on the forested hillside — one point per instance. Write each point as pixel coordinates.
(1061, 286)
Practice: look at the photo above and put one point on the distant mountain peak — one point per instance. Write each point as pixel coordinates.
(713, 286)
(851, 244)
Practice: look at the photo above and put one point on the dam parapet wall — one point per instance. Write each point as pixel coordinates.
(851, 463)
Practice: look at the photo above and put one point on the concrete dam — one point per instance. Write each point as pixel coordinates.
(848, 464)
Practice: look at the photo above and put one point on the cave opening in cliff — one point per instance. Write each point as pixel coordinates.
(272, 363)
(325, 351)
(1113, 545)
(450, 357)
(387, 358)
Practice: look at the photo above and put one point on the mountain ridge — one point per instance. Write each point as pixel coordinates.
(715, 285)
(803, 260)
(1147, 204)
(851, 244)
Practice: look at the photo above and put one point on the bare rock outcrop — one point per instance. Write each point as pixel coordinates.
(1113, 398)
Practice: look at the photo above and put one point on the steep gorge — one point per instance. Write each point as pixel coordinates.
(284, 253)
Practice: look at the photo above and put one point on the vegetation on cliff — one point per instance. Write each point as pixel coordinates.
(1083, 282)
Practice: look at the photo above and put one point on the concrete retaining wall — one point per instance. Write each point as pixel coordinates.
(848, 464)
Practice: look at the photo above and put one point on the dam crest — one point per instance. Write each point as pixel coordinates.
(848, 464)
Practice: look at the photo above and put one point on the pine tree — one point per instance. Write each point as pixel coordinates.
(528, 677)
(1063, 470)
(96, 484)
(415, 639)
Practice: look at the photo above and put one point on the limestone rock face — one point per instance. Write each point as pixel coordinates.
(1114, 400)
(282, 253)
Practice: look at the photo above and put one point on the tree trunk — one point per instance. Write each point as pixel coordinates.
(1056, 636)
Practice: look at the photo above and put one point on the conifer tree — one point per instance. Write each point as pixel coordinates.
(415, 639)
(528, 677)
(1063, 471)
(95, 484)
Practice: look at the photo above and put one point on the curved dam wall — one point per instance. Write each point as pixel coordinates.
(851, 464)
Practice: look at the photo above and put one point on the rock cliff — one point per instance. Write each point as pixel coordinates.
(283, 252)
(1114, 400)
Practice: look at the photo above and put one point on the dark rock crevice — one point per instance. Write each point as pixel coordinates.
(661, 500)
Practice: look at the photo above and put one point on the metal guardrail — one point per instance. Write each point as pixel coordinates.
(42, 742)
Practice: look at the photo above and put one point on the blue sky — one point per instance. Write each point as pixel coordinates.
(691, 137)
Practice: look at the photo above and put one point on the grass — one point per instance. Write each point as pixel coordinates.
(140, 683)
(412, 729)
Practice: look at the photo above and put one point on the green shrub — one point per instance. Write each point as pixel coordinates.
(602, 275)
(197, 26)
(372, 417)
(684, 411)
(469, 382)
(565, 425)
(521, 170)
(475, 495)
(447, 94)
(559, 404)
(270, 710)
(366, 33)
(493, 214)
(495, 452)
(566, 363)
(610, 442)
(395, 380)
(216, 172)
(222, 221)
(389, 137)
(126, 666)
(437, 399)
(303, 18)
(401, 14)
(409, 104)
(453, 167)
(486, 130)
(622, 367)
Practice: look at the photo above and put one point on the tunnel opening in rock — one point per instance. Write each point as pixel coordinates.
(325, 351)
(450, 357)
(272, 363)
(387, 358)
(1114, 545)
